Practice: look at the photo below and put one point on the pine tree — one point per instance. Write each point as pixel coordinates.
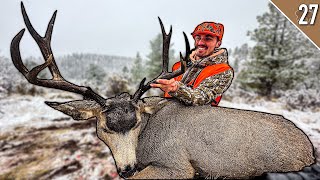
(96, 73)
(240, 55)
(154, 64)
(137, 71)
(95, 77)
(273, 65)
(125, 72)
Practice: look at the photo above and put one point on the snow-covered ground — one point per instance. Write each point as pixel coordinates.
(38, 142)
(25, 111)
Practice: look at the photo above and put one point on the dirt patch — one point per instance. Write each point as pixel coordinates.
(68, 149)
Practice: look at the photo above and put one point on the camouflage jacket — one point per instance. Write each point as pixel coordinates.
(211, 87)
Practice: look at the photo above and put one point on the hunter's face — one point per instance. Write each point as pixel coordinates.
(205, 44)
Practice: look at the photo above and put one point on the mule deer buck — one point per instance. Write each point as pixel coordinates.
(155, 137)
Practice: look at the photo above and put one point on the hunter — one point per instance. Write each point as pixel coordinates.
(208, 75)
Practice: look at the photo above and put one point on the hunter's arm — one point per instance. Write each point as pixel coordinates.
(208, 90)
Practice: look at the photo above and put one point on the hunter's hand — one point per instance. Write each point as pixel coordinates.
(166, 85)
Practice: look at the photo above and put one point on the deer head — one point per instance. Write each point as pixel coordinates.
(118, 118)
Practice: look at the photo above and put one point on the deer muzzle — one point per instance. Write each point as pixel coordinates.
(127, 171)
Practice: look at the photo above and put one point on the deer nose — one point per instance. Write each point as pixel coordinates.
(128, 168)
(127, 171)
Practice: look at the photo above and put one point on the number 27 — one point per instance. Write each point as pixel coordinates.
(305, 11)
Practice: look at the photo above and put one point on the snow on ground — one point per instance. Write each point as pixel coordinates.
(28, 110)
(38, 141)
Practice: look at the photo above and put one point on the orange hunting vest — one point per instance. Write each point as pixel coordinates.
(206, 72)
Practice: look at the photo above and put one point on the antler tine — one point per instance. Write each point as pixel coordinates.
(166, 46)
(43, 42)
(188, 51)
(140, 91)
(15, 53)
(57, 81)
(48, 34)
(165, 61)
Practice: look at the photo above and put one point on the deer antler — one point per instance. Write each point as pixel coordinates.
(165, 61)
(44, 43)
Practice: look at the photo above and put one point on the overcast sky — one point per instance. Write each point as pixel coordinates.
(123, 27)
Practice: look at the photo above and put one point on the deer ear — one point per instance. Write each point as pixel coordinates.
(78, 110)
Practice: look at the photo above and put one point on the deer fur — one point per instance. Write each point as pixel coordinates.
(177, 141)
